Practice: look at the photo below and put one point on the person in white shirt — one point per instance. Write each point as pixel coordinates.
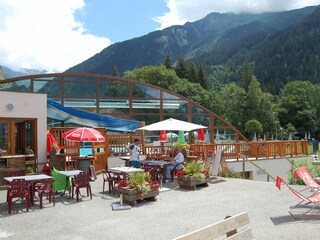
(179, 158)
(134, 150)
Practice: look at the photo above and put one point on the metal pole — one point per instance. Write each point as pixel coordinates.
(243, 168)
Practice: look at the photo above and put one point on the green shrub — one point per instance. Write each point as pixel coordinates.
(314, 170)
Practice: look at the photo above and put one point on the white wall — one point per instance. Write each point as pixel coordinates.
(28, 105)
(275, 167)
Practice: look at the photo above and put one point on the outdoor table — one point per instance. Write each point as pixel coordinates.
(155, 163)
(31, 179)
(161, 164)
(124, 171)
(68, 175)
(126, 159)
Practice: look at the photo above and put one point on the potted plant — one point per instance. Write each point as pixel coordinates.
(185, 148)
(54, 149)
(139, 186)
(29, 151)
(193, 174)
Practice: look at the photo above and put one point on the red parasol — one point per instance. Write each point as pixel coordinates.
(200, 137)
(163, 136)
(83, 135)
(50, 142)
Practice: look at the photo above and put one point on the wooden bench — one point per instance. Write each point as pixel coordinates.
(234, 227)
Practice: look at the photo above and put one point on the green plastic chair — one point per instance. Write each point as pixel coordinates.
(59, 183)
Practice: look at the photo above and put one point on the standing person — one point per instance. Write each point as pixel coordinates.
(179, 158)
(134, 150)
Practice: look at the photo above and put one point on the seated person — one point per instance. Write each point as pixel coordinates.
(179, 158)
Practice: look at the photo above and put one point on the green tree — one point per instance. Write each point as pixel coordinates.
(298, 106)
(253, 126)
(253, 99)
(290, 129)
(201, 78)
(246, 75)
(115, 71)
(259, 105)
(155, 75)
(192, 75)
(167, 62)
(181, 68)
(233, 105)
(167, 78)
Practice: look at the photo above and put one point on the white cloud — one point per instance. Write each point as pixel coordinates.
(182, 11)
(43, 34)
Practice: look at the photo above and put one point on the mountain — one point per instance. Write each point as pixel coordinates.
(6, 72)
(225, 40)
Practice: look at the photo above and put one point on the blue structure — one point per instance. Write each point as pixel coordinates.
(57, 111)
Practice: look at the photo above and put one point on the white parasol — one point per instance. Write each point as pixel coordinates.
(172, 124)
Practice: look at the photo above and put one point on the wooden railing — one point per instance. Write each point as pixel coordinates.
(117, 144)
(261, 149)
(265, 149)
(69, 149)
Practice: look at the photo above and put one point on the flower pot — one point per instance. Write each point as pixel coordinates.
(131, 195)
(191, 182)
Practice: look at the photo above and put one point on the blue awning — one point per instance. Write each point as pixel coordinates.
(57, 111)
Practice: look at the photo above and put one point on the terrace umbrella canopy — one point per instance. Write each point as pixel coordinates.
(163, 136)
(83, 134)
(172, 124)
(50, 142)
(200, 137)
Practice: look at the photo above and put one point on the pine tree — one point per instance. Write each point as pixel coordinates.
(201, 78)
(167, 62)
(246, 75)
(193, 73)
(181, 68)
(115, 71)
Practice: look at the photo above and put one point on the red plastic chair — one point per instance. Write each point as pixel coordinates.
(81, 181)
(45, 187)
(176, 168)
(18, 188)
(111, 178)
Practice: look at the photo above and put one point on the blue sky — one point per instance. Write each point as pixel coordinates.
(55, 35)
(121, 20)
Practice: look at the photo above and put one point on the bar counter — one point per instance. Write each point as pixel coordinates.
(14, 164)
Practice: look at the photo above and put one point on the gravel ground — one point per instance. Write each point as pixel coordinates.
(176, 212)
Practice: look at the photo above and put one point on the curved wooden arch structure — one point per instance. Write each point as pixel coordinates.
(120, 97)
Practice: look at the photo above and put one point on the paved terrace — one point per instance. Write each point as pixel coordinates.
(175, 213)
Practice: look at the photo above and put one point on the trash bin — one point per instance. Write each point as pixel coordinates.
(84, 163)
(315, 145)
(46, 169)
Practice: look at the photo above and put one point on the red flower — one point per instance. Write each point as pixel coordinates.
(205, 172)
(122, 183)
(179, 173)
(154, 185)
